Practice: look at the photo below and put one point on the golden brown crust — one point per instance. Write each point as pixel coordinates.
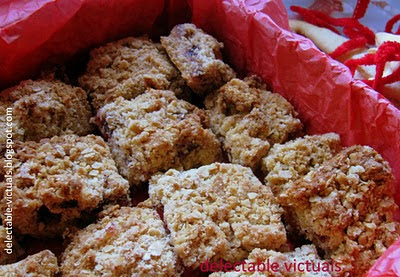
(42, 264)
(156, 132)
(345, 208)
(218, 211)
(288, 162)
(42, 109)
(249, 120)
(304, 254)
(125, 242)
(127, 68)
(198, 56)
(56, 180)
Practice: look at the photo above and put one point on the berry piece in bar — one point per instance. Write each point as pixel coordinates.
(155, 132)
(198, 56)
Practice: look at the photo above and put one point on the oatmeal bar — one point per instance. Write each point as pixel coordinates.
(156, 132)
(345, 208)
(42, 109)
(42, 264)
(125, 242)
(56, 181)
(198, 56)
(249, 120)
(127, 68)
(218, 211)
(305, 258)
(288, 162)
(10, 250)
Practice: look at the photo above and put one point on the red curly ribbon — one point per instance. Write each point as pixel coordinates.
(354, 29)
(359, 35)
(368, 59)
(348, 46)
(360, 9)
(392, 78)
(388, 51)
(390, 24)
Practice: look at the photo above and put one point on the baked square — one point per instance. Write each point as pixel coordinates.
(198, 57)
(249, 120)
(127, 68)
(125, 242)
(155, 132)
(288, 162)
(218, 211)
(56, 181)
(345, 207)
(40, 109)
(42, 264)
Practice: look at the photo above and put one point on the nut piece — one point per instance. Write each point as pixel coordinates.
(42, 109)
(286, 262)
(218, 211)
(290, 161)
(56, 181)
(156, 132)
(125, 242)
(198, 56)
(345, 207)
(249, 119)
(42, 264)
(127, 68)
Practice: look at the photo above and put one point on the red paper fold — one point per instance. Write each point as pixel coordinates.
(33, 31)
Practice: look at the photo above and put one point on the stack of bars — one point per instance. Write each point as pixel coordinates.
(230, 175)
